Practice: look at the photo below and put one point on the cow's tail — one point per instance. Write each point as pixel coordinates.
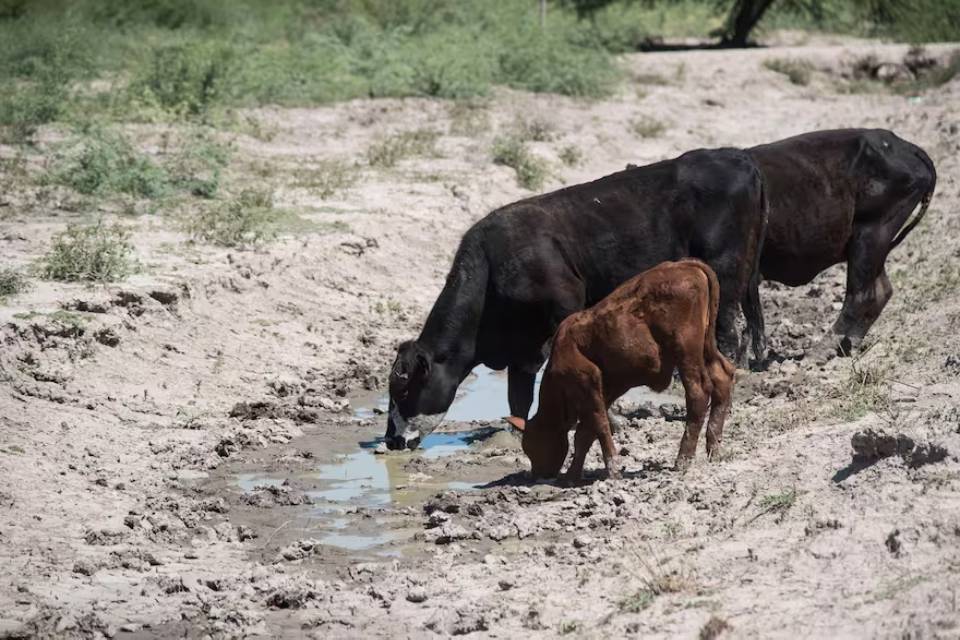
(924, 202)
(752, 308)
(907, 228)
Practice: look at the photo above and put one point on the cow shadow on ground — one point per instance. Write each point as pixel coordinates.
(855, 467)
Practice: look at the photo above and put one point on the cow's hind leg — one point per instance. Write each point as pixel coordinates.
(721, 375)
(868, 288)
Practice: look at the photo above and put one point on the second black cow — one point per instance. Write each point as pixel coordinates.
(525, 267)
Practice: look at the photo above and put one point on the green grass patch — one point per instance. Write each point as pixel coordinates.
(197, 166)
(389, 151)
(512, 151)
(798, 72)
(99, 161)
(571, 155)
(637, 602)
(778, 502)
(93, 253)
(12, 282)
(647, 127)
(247, 219)
(327, 177)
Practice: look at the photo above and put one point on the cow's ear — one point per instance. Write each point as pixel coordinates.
(517, 423)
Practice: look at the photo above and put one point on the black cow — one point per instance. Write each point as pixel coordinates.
(525, 267)
(842, 196)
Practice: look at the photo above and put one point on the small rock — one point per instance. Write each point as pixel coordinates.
(506, 584)
(84, 568)
(582, 541)
(107, 336)
(417, 594)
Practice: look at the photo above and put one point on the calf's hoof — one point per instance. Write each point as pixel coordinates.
(613, 468)
(683, 463)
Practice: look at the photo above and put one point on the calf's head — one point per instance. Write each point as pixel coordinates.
(421, 391)
(545, 445)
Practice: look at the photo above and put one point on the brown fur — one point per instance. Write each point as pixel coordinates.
(662, 319)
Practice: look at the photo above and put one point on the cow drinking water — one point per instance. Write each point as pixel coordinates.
(523, 268)
(662, 319)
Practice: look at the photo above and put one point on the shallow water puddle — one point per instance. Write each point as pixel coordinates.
(368, 480)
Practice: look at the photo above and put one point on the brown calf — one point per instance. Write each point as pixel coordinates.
(662, 319)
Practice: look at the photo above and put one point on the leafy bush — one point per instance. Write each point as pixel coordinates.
(798, 71)
(12, 282)
(571, 155)
(388, 151)
(99, 161)
(247, 219)
(89, 253)
(511, 151)
(326, 178)
(196, 167)
(647, 127)
(186, 78)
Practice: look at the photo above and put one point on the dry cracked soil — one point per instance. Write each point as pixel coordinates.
(187, 453)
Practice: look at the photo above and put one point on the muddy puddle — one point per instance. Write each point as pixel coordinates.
(355, 497)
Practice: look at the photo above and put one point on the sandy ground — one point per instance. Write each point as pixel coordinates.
(121, 436)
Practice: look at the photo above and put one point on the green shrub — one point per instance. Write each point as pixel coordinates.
(387, 152)
(99, 162)
(531, 170)
(326, 177)
(25, 106)
(571, 156)
(186, 79)
(96, 253)
(244, 220)
(798, 71)
(197, 166)
(12, 282)
(647, 127)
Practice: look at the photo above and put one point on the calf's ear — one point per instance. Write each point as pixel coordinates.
(517, 423)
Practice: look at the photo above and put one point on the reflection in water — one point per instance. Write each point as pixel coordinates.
(364, 479)
(482, 396)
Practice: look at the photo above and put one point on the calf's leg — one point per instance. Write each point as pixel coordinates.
(697, 388)
(582, 441)
(593, 416)
(721, 375)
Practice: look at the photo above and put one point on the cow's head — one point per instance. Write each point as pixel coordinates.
(545, 445)
(888, 170)
(421, 391)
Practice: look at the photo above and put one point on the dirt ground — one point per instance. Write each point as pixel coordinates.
(122, 432)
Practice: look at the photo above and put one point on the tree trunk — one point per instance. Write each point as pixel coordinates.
(744, 16)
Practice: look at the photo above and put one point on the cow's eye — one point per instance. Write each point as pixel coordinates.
(885, 144)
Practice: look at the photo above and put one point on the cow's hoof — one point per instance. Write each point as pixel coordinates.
(683, 463)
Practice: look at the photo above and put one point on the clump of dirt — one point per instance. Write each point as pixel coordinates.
(874, 444)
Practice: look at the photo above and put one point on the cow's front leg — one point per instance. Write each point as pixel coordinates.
(520, 391)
